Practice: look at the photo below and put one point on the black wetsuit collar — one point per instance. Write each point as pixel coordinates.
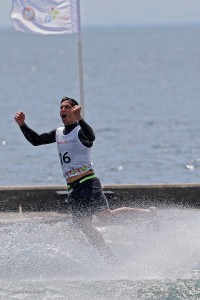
(69, 128)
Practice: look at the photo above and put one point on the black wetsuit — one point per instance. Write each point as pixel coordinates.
(86, 134)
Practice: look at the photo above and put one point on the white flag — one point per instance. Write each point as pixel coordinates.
(45, 16)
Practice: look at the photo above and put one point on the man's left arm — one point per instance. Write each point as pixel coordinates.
(86, 134)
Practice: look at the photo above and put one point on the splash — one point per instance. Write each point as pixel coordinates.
(51, 248)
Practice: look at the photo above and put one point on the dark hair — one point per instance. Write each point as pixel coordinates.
(71, 100)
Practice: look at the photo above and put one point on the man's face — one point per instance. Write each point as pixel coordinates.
(66, 112)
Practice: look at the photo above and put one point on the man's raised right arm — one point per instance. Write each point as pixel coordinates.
(33, 137)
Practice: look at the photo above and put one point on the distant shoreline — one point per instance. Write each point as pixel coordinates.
(126, 26)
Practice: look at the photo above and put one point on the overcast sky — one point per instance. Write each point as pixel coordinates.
(113, 12)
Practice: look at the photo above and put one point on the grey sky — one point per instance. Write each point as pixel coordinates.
(112, 12)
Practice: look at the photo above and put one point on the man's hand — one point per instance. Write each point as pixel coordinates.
(76, 112)
(20, 118)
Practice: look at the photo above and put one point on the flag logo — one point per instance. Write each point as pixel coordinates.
(28, 13)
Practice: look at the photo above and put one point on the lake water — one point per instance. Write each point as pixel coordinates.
(44, 258)
(141, 96)
(142, 99)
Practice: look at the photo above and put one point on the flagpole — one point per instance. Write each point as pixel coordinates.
(80, 61)
(71, 12)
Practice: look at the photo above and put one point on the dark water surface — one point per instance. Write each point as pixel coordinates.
(141, 97)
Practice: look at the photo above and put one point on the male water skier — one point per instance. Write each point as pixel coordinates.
(74, 142)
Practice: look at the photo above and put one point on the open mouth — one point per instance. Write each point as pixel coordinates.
(63, 116)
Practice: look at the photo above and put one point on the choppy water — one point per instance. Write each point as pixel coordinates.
(43, 258)
(141, 97)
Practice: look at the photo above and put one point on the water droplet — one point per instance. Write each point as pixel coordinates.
(120, 168)
(189, 167)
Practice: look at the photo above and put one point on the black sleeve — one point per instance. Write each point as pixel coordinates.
(38, 139)
(86, 134)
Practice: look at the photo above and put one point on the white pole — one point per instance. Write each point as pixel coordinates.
(80, 61)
